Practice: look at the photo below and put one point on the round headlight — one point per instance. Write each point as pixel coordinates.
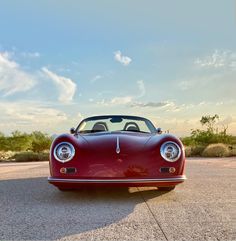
(64, 152)
(170, 151)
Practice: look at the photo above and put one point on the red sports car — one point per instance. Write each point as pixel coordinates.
(116, 150)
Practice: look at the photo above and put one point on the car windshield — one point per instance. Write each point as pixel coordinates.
(115, 123)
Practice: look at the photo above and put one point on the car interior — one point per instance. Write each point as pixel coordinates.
(131, 126)
(102, 126)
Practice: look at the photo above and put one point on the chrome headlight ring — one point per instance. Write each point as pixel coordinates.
(170, 151)
(64, 152)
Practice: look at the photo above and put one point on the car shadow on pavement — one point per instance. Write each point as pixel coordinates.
(31, 209)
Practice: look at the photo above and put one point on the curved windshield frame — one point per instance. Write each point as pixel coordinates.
(115, 123)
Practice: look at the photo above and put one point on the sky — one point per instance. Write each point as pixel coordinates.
(169, 61)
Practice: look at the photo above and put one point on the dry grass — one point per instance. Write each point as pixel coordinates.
(31, 157)
(212, 150)
(194, 151)
(216, 150)
(10, 156)
(6, 155)
(188, 151)
(232, 149)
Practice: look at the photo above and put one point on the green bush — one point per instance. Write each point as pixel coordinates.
(41, 142)
(31, 157)
(36, 141)
(187, 141)
(216, 150)
(197, 150)
(233, 141)
(210, 135)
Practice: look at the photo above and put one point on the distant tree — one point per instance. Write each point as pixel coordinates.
(40, 141)
(16, 133)
(209, 121)
(19, 141)
(210, 135)
(3, 142)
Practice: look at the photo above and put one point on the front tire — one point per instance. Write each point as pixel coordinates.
(166, 189)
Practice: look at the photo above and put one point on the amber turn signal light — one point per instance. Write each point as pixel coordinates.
(171, 170)
(63, 170)
(68, 170)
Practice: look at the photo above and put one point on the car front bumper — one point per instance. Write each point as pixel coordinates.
(73, 183)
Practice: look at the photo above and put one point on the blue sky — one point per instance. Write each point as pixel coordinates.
(170, 61)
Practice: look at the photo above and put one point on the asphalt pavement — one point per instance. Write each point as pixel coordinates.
(203, 208)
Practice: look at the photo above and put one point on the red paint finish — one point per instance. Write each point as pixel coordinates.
(96, 159)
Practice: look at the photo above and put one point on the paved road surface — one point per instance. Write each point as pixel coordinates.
(203, 208)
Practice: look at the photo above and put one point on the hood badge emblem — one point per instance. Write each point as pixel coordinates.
(117, 145)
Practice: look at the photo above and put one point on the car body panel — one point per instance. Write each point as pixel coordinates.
(96, 160)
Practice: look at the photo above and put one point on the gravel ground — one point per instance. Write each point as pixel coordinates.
(203, 208)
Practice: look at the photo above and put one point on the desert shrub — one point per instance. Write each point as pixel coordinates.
(31, 157)
(233, 141)
(3, 143)
(40, 142)
(187, 141)
(216, 150)
(197, 150)
(201, 136)
(232, 150)
(210, 135)
(6, 155)
(17, 141)
(191, 151)
(188, 152)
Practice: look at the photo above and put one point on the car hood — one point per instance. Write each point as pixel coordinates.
(125, 142)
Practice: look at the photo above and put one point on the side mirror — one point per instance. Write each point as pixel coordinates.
(72, 130)
(159, 130)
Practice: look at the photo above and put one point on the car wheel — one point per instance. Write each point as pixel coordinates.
(167, 189)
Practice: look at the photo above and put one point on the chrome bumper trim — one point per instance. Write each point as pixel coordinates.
(171, 179)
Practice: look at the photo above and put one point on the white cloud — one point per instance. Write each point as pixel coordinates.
(121, 100)
(217, 59)
(186, 84)
(116, 101)
(65, 85)
(12, 78)
(226, 121)
(95, 78)
(79, 117)
(29, 116)
(198, 81)
(152, 104)
(141, 87)
(31, 54)
(124, 100)
(125, 60)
